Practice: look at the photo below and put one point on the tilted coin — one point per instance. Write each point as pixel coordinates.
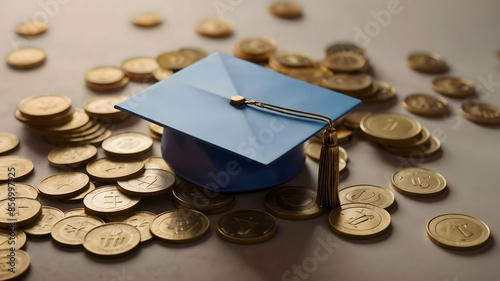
(147, 19)
(72, 156)
(79, 197)
(293, 203)
(22, 263)
(196, 197)
(255, 49)
(104, 75)
(345, 46)
(418, 182)
(70, 231)
(286, 9)
(157, 163)
(180, 226)
(24, 212)
(17, 189)
(75, 212)
(353, 118)
(425, 105)
(161, 73)
(453, 87)
(44, 106)
(110, 170)
(8, 142)
(313, 150)
(291, 59)
(43, 225)
(458, 232)
(427, 63)
(214, 27)
(140, 68)
(426, 149)
(152, 182)
(176, 60)
(112, 239)
(127, 144)
(358, 85)
(384, 92)
(103, 107)
(247, 226)
(367, 194)
(344, 62)
(359, 221)
(481, 113)
(16, 167)
(31, 28)
(64, 185)
(142, 221)
(26, 58)
(390, 127)
(6, 242)
(109, 201)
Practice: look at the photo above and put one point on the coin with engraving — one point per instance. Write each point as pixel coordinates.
(345, 46)
(127, 144)
(64, 185)
(31, 28)
(481, 113)
(71, 230)
(247, 226)
(291, 59)
(180, 226)
(285, 9)
(24, 211)
(419, 143)
(22, 263)
(359, 221)
(383, 92)
(44, 106)
(142, 221)
(8, 142)
(152, 182)
(18, 240)
(43, 225)
(458, 232)
(390, 127)
(16, 167)
(110, 170)
(418, 182)
(255, 48)
(427, 63)
(112, 239)
(293, 203)
(367, 194)
(156, 128)
(177, 60)
(140, 69)
(214, 27)
(104, 75)
(109, 201)
(453, 87)
(147, 19)
(161, 73)
(425, 105)
(18, 189)
(313, 150)
(344, 62)
(196, 197)
(103, 107)
(79, 197)
(75, 212)
(72, 156)
(355, 85)
(26, 58)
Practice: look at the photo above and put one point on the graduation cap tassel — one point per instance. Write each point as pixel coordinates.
(328, 177)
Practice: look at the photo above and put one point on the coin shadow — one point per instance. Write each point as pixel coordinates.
(112, 260)
(67, 249)
(487, 247)
(374, 240)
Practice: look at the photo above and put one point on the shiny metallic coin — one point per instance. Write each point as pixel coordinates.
(140, 68)
(207, 212)
(309, 75)
(353, 119)
(157, 163)
(99, 139)
(293, 203)
(345, 46)
(127, 144)
(198, 198)
(180, 226)
(22, 261)
(247, 226)
(286, 9)
(112, 239)
(418, 182)
(176, 60)
(344, 62)
(79, 197)
(78, 120)
(359, 221)
(18, 189)
(104, 75)
(72, 156)
(151, 183)
(27, 211)
(384, 92)
(453, 87)
(426, 63)
(75, 212)
(426, 149)
(458, 232)
(161, 73)
(156, 128)
(358, 85)
(109, 170)
(142, 221)
(6, 240)
(292, 59)
(64, 185)
(147, 19)
(481, 113)
(255, 49)
(8, 142)
(390, 127)
(43, 225)
(313, 150)
(425, 105)
(109, 201)
(343, 134)
(103, 107)
(214, 27)
(31, 28)
(367, 194)
(71, 230)
(108, 87)
(16, 167)
(419, 143)
(26, 58)
(44, 106)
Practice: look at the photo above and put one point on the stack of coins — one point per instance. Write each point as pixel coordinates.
(140, 68)
(214, 27)
(148, 19)
(255, 49)
(103, 108)
(155, 131)
(187, 195)
(106, 79)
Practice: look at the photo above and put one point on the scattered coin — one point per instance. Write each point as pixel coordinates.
(147, 19)
(293, 203)
(75, 212)
(383, 92)
(285, 9)
(19, 190)
(22, 261)
(345, 46)
(359, 221)
(106, 78)
(27, 211)
(196, 197)
(453, 87)
(6, 241)
(127, 144)
(256, 49)
(367, 194)
(161, 73)
(481, 113)
(103, 108)
(425, 105)
(18, 167)
(291, 59)
(344, 62)
(418, 143)
(140, 68)
(72, 156)
(427, 63)
(112, 239)
(418, 182)
(71, 231)
(26, 58)
(109, 170)
(353, 119)
(8, 142)
(155, 131)
(142, 221)
(426, 149)
(79, 197)
(64, 185)
(31, 28)
(180, 226)
(313, 150)
(357, 86)
(109, 201)
(45, 106)
(390, 127)
(151, 183)
(157, 163)
(43, 225)
(214, 27)
(207, 212)
(310, 75)
(458, 232)
(176, 60)
(247, 226)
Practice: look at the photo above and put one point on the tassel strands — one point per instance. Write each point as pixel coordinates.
(328, 177)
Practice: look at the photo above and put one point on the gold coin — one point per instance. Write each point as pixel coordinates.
(255, 48)
(367, 194)
(26, 58)
(247, 226)
(309, 75)
(353, 119)
(453, 87)
(292, 59)
(70, 231)
(161, 73)
(196, 197)
(151, 183)
(425, 105)
(6, 241)
(214, 27)
(99, 139)
(127, 144)
(109, 201)
(79, 197)
(31, 28)
(45, 106)
(142, 221)
(383, 93)
(104, 75)
(207, 212)
(16, 167)
(345, 46)
(109, 170)
(344, 62)
(390, 127)
(343, 134)
(418, 182)
(313, 150)
(112, 239)
(147, 19)
(418, 143)
(140, 68)
(21, 261)
(156, 128)
(109, 87)
(43, 225)
(481, 113)
(426, 63)
(458, 232)
(72, 156)
(359, 221)
(358, 85)
(18, 189)
(176, 60)
(427, 149)
(78, 120)
(158, 163)
(103, 107)
(64, 185)
(8, 142)
(293, 203)
(180, 226)
(26, 211)
(42, 122)
(195, 51)
(75, 212)
(286, 9)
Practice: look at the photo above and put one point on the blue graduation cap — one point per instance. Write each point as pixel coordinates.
(227, 148)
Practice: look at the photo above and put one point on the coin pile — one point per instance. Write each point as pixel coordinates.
(106, 79)
(190, 196)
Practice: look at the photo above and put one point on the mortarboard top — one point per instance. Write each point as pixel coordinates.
(226, 148)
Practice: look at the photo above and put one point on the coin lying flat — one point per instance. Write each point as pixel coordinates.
(79, 197)
(357, 86)
(383, 92)
(345, 46)
(140, 68)
(112, 239)
(313, 150)
(196, 197)
(344, 62)
(157, 163)
(103, 108)
(214, 27)
(70, 231)
(293, 203)
(26, 211)
(481, 113)
(104, 75)
(425, 105)
(5, 241)
(44, 106)
(19, 168)
(64, 185)
(353, 119)
(418, 182)
(148, 19)
(72, 156)
(390, 127)
(427, 149)
(285, 9)
(26, 58)
(255, 49)
(426, 63)
(458, 232)
(142, 221)
(177, 60)
(109, 201)
(8, 142)
(22, 263)
(247, 226)
(109, 170)
(127, 144)
(161, 73)
(180, 226)
(359, 221)
(19, 190)
(75, 212)
(291, 59)
(151, 183)
(367, 194)
(453, 87)
(43, 225)
(31, 28)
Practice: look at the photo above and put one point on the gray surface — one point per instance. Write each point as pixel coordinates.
(85, 34)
